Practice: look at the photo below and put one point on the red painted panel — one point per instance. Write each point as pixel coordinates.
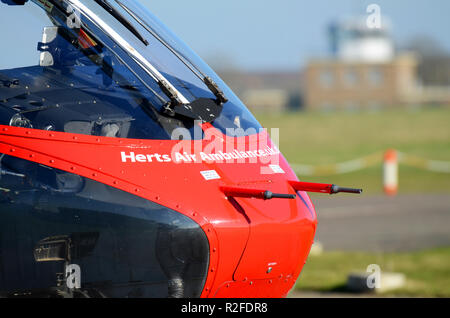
(274, 231)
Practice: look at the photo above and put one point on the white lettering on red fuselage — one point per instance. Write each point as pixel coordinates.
(177, 157)
(132, 157)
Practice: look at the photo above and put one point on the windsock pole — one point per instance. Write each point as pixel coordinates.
(390, 172)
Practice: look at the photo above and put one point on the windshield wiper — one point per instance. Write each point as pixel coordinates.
(209, 82)
(116, 14)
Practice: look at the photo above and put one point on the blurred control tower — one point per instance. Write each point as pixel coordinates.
(351, 40)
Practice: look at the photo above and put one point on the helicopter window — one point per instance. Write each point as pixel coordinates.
(86, 83)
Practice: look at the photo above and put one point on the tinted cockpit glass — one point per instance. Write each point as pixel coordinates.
(123, 245)
(106, 68)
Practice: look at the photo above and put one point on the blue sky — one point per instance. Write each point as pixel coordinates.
(282, 34)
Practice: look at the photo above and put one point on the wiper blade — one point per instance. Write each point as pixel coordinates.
(116, 14)
(209, 82)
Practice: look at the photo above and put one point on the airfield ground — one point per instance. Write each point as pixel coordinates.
(409, 234)
(383, 224)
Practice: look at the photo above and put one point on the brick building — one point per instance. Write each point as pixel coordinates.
(342, 84)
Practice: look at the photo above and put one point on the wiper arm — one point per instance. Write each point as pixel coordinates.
(116, 14)
(209, 82)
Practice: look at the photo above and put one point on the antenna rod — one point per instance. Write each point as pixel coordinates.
(322, 188)
(254, 193)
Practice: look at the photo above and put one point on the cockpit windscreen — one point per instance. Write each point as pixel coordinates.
(106, 68)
